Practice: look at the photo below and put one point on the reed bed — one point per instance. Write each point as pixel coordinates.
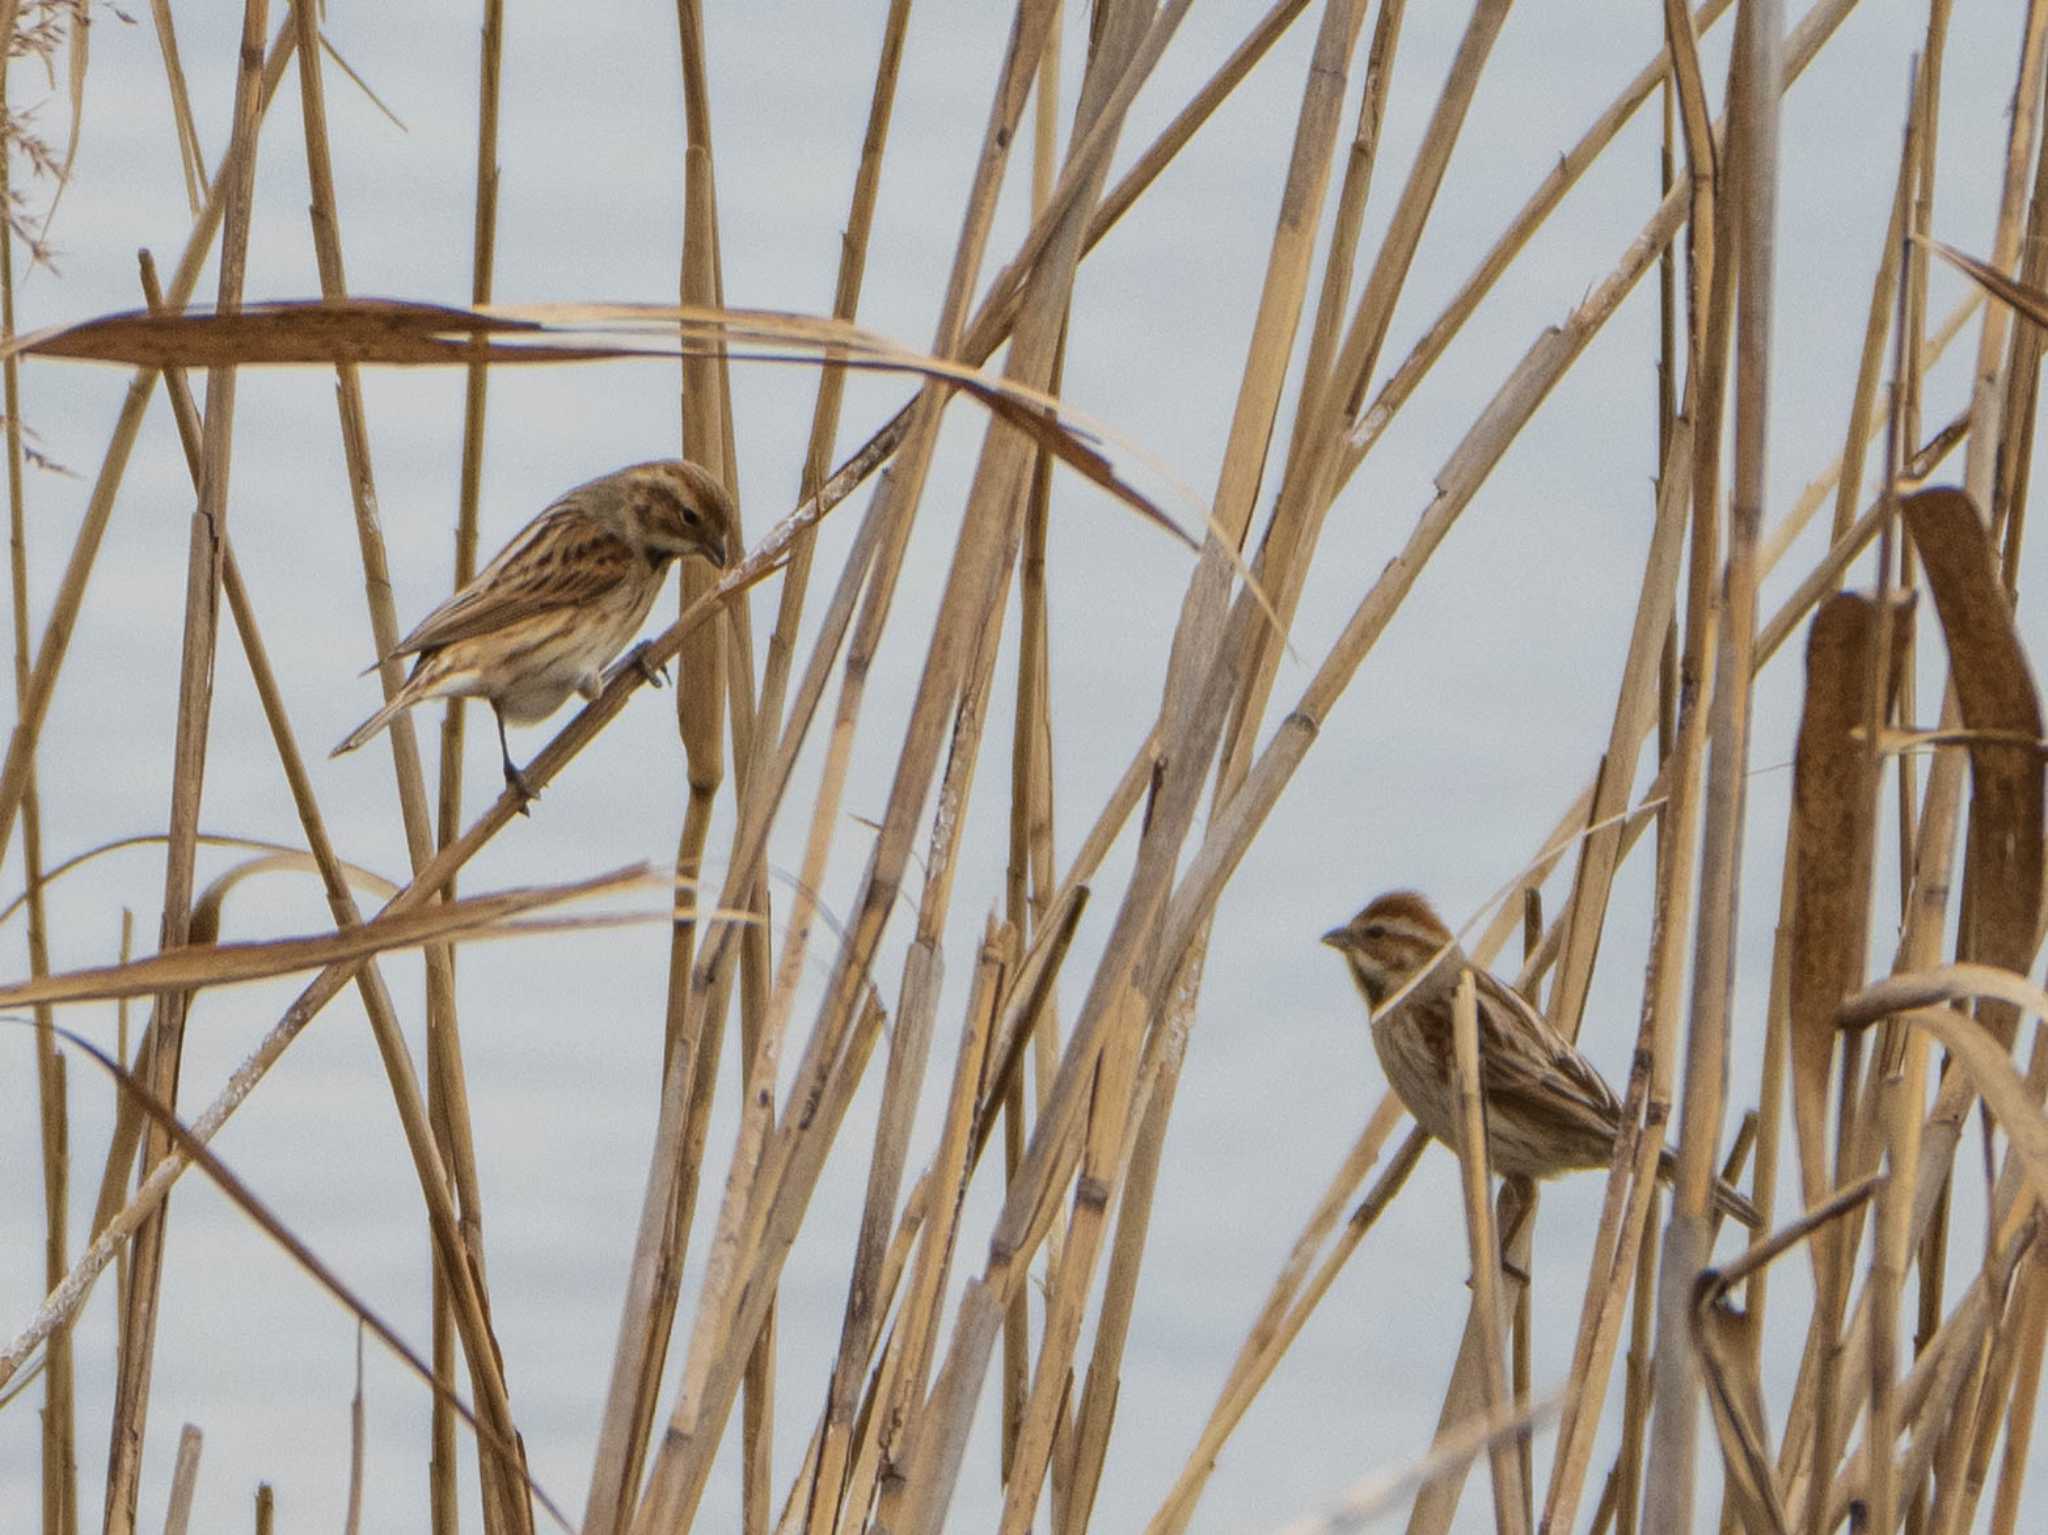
(894, 1038)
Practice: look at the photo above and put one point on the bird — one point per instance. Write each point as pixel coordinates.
(1548, 1109)
(543, 619)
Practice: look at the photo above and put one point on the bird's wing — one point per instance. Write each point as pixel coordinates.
(562, 558)
(1547, 1069)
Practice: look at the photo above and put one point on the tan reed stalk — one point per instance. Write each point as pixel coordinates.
(860, 223)
(1283, 1317)
(266, 1509)
(1436, 1503)
(475, 397)
(184, 1482)
(59, 1446)
(1985, 393)
(1287, 546)
(789, 1174)
(1031, 728)
(2026, 1389)
(1627, 1477)
(1093, 1189)
(899, 1383)
(1754, 86)
(1794, 522)
(447, 1090)
(1483, 1246)
(64, 607)
(919, 424)
(473, 1319)
(1902, 1095)
(1501, 255)
(195, 702)
(447, 1081)
(447, 1102)
(1634, 715)
(1281, 301)
(191, 158)
(1051, 1145)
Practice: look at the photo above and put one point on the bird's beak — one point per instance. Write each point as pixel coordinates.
(716, 557)
(1338, 938)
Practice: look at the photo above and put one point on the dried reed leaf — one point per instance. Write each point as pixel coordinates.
(1995, 688)
(2029, 301)
(401, 333)
(1834, 807)
(223, 964)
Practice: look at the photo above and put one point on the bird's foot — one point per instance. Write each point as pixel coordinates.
(516, 780)
(636, 660)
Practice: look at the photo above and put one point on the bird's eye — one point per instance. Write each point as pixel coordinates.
(1375, 930)
(690, 516)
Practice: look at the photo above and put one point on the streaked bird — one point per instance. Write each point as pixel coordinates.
(543, 619)
(1548, 1111)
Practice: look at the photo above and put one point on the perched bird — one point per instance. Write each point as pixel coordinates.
(543, 618)
(1547, 1110)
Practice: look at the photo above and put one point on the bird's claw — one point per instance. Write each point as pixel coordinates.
(635, 660)
(516, 780)
(657, 676)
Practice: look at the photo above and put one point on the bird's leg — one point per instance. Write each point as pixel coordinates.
(514, 779)
(1518, 1203)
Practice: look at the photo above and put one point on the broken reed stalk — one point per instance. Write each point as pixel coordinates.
(188, 767)
(447, 1082)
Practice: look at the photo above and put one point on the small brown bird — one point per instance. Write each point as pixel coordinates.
(1547, 1110)
(543, 618)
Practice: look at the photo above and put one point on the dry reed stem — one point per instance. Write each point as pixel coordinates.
(1540, 204)
(70, 595)
(1634, 714)
(1093, 1189)
(1754, 86)
(447, 1107)
(922, 423)
(899, 1384)
(357, 1424)
(184, 1482)
(447, 1090)
(1282, 1318)
(191, 158)
(1483, 1249)
(188, 765)
(1172, 804)
(376, 998)
(1437, 1503)
(59, 1448)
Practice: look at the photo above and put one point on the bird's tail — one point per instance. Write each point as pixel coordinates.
(402, 700)
(1728, 1199)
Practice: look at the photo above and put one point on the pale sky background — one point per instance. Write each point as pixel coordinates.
(1464, 735)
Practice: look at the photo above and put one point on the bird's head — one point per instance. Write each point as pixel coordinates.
(672, 507)
(1387, 943)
